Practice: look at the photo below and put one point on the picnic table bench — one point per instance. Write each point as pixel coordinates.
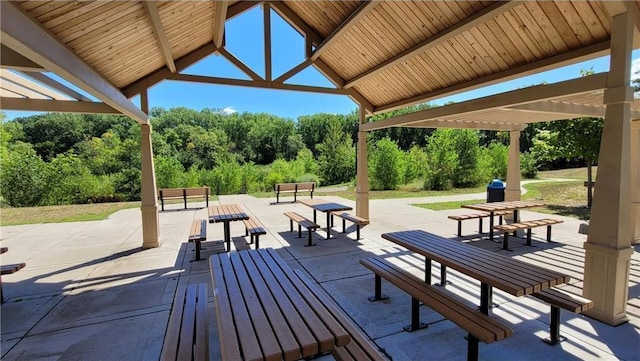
(558, 298)
(183, 193)
(198, 234)
(526, 225)
(8, 269)
(480, 327)
(359, 222)
(302, 222)
(254, 229)
(266, 311)
(187, 336)
(477, 215)
(293, 188)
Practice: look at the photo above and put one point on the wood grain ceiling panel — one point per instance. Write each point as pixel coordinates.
(188, 25)
(92, 19)
(323, 16)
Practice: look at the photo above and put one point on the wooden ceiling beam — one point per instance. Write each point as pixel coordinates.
(9, 59)
(44, 79)
(457, 124)
(58, 106)
(239, 64)
(364, 8)
(256, 84)
(151, 7)
(219, 20)
(27, 37)
(572, 57)
(159, 75)
(293, 71)
(472, 21)
(508, 99)
(266, 21)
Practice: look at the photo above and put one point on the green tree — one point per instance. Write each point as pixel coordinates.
(442, 160)
(415, 164)
(386, 165)
(467, 147)
(337, 158)
(24, 177)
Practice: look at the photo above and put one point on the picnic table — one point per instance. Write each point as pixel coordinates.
(494, 207)
(515, 277)
(326, 207)
(226, 213)
(266, 311)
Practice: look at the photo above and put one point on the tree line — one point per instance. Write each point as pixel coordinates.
(79, 158)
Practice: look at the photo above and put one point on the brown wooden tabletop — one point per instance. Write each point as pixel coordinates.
(265, 311)
(493, 207)
(226, 213)
(326, 207)
(513, 276)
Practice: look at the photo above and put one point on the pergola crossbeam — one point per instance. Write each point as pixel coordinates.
(520, 96)
(219, 21)
(9, 59)
(44, 79)
(62, 106)
(163, 44)
(31, 85)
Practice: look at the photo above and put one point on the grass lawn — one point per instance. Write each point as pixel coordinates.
(567, 198)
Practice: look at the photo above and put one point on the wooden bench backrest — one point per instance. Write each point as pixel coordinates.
(300, 187)
(180, 192)
(170, 192)
(201, 191)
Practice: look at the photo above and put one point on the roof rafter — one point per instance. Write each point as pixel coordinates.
(32, 85)
(256, 84)
(364, 8)
(60, 106)
(27, 37)
(515, 97)
(293, 71)
(219, 21)
(239, 64)
(151, 7)
(472, 21)
(571, 57)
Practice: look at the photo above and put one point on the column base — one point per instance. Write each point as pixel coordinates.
(150, 227)
(606, 282)
(362, 204)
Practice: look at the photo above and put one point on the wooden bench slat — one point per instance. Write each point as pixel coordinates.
(563, 299)
(229, 346)
(187, 335)
(201, 351)
(294, 188)
(7, 269)
(185, 346)
(527, 224)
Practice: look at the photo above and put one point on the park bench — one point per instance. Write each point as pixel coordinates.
(187, 336)
(183, 193)
(480, 326)
(7, 270)
(302, 222)
(358, 221)
(293, 188)
(198, 234)
(254, 229)
(526, 225)
(479, 216)
(559, 298)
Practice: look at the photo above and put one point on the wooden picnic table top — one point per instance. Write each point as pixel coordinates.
(325, 206)
(513, 276)
(503, 206)
(266, 311)
(226, 213)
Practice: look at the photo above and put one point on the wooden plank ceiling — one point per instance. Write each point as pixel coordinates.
(385, 54)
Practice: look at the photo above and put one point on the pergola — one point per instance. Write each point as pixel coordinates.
(384, 56)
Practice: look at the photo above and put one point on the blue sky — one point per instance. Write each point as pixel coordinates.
(244, 39)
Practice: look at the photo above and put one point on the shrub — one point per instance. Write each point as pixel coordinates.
(386, 164)
(528, 165)
(442, 160)
(23, 177)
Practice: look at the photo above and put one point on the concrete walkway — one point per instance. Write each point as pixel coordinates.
(90, 293)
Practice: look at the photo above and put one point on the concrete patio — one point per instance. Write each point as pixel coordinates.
(89, 292)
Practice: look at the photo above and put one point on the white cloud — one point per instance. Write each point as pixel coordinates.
(228, 111)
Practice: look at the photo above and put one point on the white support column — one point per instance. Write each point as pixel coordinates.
(362, 176)
(512, 192)
(635, 180)
(608, 247)
(149, 200)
